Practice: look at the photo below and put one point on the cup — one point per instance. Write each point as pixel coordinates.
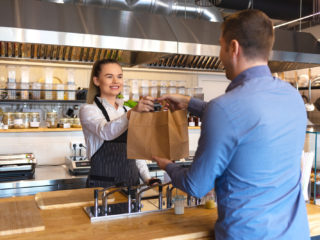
(178, 202)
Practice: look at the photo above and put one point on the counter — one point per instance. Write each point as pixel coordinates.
(46, 178)
(73, 223)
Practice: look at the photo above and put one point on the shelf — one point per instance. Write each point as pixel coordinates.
(40, 130)
(6, 101)
(194, 127)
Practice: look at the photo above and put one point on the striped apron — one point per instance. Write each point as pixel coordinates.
(109, 165)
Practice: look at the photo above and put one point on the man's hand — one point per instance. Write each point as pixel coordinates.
(176, 101)
(162, 162)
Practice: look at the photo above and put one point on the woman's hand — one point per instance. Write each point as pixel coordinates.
(144, 105)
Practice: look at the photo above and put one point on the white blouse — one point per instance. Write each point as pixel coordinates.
(96, 129)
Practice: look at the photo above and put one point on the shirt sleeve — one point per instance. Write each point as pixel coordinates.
(143, 169)
(215, 148)
(197, 107)
(95, 123)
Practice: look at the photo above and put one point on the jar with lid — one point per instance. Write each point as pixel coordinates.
(144, 91)
(34, 119)
(154, 91)
(126, 92)
(163, 90)
(70, 93)
(19, 120)
(64, 123)
(26, 119)
(76, 123)
(51, 120)
(8, 119)
(37, 90)
(60, 91)
(12, 86)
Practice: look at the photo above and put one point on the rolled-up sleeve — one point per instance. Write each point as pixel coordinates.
(216, 144)
(95, 123)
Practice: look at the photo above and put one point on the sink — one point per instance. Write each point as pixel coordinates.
(120, 210)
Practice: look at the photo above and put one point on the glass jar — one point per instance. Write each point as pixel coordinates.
(172, 90)
(76, 123)
(34, 119)
(70, 94)
(163, 90)
(8, 119)
(37, 90)
(126, 92)
(24, 91)
(12, 86)
(144, 91)
(48, 93)
(182, 90)
(154, 91)
(51, 120)
(60, 91)
(19, 120)
(26, 120)
(64, 123)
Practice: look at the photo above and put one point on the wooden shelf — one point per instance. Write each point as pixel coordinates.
(193, 127)
(40, 130)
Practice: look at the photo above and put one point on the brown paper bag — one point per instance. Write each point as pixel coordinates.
(162, 134)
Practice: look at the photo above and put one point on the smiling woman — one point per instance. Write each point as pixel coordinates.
(104, 121)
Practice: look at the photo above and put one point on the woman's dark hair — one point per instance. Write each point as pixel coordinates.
(96, 69)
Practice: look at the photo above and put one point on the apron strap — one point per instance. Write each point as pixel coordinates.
(103, 110)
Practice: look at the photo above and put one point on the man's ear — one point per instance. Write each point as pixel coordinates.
(96, 81)
(234, 47)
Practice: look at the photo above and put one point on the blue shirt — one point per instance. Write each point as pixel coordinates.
(249, 150)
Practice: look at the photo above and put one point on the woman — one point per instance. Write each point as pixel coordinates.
(104, 121)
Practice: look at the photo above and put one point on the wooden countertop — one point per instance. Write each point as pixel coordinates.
(73, 223)
(40, 130)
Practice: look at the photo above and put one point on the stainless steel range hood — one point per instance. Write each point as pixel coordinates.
(43, 31)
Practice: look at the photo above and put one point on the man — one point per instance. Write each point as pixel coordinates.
(251, 140)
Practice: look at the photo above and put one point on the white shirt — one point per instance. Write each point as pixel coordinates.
(96, 129)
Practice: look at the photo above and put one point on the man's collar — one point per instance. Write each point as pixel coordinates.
(253, 72)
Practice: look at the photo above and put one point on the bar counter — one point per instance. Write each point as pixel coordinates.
(73, 223)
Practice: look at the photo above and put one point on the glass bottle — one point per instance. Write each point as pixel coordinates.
(51, 120)
(19, 120)
(76, 123)
(34, 119)
(8, 119)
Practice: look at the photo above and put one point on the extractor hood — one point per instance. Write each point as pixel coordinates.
(44, 31)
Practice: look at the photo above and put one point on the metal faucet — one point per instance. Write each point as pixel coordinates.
(138, 195)
(104, 199)
(169, 196)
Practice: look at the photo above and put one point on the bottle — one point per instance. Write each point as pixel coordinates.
(191, 121)
(51, 120)
(19, 120)
(34, 120)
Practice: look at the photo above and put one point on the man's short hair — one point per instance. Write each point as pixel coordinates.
(253, 30)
